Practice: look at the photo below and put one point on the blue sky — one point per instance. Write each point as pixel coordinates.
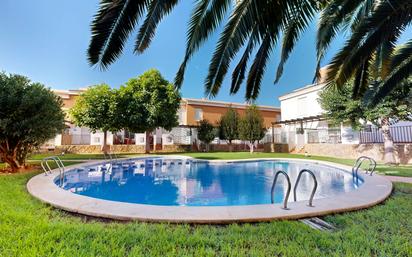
(46, 40)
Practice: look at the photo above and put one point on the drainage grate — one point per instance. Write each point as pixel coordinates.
(318, 224)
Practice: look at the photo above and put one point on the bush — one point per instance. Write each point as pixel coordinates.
(30, 114)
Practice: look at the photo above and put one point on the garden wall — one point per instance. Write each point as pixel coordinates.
(403, 152)
(83, 149)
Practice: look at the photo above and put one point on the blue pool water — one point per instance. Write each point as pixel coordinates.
(160, 181)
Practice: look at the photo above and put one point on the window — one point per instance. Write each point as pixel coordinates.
(198, 114)
(96, 139)
(302, 106)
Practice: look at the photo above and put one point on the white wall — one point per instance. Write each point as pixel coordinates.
(349, 135)
(167, 139)
(58, 140)
(302, 103)
(182, 115)
(98, 137)
(140, 139)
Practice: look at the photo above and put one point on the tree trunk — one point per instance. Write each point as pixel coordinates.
(11, 160)
(389, 155)
(147, 142)
(230, 146)
(251, 146)
(104, 146)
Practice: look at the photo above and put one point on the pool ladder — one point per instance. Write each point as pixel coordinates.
(285, 200)
(370, 170)
(48, 170)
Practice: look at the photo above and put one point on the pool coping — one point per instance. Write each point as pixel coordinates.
(374, 190)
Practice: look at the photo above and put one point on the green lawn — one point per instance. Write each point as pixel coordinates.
(31, 228)
(52, 164)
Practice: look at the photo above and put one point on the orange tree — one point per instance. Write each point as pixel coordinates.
(146, 103)
(30, 114)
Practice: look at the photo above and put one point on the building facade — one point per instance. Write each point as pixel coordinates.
(305, 130)
(303, 122)
(191, 111)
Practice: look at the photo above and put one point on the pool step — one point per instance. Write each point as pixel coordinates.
(318, 224)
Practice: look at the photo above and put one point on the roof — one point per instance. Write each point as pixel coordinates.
(302, 91)
(206, 102)
(320, 83)
(65, 94)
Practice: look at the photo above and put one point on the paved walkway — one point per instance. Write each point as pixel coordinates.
(399, 179)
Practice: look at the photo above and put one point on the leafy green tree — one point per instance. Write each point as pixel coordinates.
(251, 126)
(206, 133)
(371, 50)
(148, 102)
(96, 109)
(251, 26)
(229, 126)
(30, 114)
(341, 107)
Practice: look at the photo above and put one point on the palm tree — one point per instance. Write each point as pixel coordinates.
(253, 26)
(371, 55)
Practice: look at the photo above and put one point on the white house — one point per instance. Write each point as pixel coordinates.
(303, 123)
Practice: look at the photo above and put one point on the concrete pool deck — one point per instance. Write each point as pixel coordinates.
(374, 190)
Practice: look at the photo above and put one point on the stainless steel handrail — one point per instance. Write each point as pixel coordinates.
(315, 185)
(48, 170)
(358, 163)
(285, 201)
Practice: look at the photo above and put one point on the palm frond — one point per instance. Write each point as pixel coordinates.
(400, 53)
(238, 74)
(331, 20)
(156, 11)
(258, 67)
(361, 84)
(111, 26)
(206, 17)
(363, 11)
(395, 78)
(388, 20)
(385, 51)
(302, 12)
(231, 40)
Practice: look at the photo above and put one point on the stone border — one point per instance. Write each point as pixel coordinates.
(374, 190)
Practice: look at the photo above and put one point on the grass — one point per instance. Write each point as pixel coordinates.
(31, 228)
(52, 164)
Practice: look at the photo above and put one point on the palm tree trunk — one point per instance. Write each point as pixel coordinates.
(389, 154)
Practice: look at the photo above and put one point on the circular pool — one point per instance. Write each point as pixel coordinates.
(183, 182)
(180, 189)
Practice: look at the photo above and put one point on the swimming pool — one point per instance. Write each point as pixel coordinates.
(178, 189)
(184, 182)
